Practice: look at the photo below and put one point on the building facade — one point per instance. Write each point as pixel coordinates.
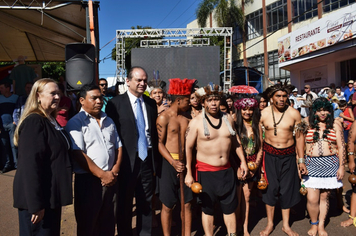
(268, 21)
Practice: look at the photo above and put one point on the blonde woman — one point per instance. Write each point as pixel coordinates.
(43, 181)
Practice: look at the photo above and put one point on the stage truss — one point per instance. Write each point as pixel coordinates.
(184, 33)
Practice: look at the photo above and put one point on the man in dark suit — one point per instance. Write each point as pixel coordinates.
(135, 118)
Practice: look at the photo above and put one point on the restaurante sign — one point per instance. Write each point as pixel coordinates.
(327, 31)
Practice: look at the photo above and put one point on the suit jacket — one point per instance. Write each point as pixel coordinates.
(44, 172)
(120, 110)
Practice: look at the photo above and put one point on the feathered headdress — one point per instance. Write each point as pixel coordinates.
(207, 91)
(156, 82)
(180, 87)
(288, 88)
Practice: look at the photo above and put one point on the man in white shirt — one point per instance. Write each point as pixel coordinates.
(294, 96)
(97, 156)
(339, 94)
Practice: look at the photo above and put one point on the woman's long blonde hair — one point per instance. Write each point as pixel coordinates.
(33, 106)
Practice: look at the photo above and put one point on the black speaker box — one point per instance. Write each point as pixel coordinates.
(80, 65)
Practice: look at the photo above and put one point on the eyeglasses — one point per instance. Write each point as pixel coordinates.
(103, 85)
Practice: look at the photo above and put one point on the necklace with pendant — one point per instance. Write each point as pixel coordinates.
(274, 121)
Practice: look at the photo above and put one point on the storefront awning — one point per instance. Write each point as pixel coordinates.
(332, 33)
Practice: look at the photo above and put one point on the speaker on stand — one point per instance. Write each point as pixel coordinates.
(80, 65)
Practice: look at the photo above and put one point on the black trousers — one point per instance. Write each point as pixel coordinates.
(141, 184)
(94, 206)
(50, 225)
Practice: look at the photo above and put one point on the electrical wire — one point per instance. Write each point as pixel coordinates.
(189, 19)
(182, 13)
(169, 13)
(296, 17)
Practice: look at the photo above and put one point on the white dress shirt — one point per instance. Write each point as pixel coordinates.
(99, 143)
(133, 102)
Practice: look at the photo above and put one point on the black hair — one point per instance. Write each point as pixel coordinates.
(224, 103)
(6, 84)
(86, 88)
(321, 103)
(175, 97)
(342, 103)
(61, 87)
(242, 131)
(103, 79)
(233, 101)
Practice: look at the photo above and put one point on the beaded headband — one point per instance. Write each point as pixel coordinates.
(246, 102)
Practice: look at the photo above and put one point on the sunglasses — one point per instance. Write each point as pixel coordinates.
(103, 84)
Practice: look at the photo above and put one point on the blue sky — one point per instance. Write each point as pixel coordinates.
(122, 14)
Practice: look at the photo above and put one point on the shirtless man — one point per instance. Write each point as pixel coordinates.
(213, 136)
(279, 162)
(169, 124)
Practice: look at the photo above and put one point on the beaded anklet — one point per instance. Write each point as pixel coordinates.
(314, 223)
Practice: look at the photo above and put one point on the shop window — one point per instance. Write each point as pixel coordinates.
(331, 5)
(277, 17)
(254, 24)
(257, 62)
(304, 10)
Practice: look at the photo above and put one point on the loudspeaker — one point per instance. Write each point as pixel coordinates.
(80, 65)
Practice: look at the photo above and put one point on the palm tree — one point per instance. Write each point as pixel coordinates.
(227, 13)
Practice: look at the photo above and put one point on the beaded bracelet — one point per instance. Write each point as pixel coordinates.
(350, 153)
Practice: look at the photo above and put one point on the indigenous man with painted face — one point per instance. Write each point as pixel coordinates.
(279, 156)
(169, 124)
(212, 134)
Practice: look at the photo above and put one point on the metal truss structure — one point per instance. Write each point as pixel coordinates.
(161, 43)
(187, 33)
(31, 5)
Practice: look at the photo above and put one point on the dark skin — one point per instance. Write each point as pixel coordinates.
(170, 124)
(281, 136)
(92, 103)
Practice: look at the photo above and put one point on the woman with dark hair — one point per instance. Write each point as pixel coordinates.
(250, 133)
(230, 102)
(224, 107)
(324, 159)
(262, 101)
(195, 106)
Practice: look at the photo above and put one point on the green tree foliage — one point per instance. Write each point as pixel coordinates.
(53, 69)
(49, 69)
(131, 43)
(227, 13)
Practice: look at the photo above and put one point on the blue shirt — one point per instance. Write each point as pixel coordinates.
(7, 107)
(348, 93)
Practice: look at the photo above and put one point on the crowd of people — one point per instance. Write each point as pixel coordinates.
(150, 144)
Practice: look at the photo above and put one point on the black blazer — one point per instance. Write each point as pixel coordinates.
(120, 110)
(44, 172)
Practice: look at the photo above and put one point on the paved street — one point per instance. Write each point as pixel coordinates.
(9, 221)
